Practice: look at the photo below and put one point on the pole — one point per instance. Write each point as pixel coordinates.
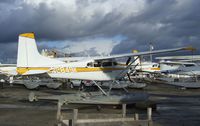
(75, 116)
(149, 113)
(136, 116)
(123, 110)
(58, 116)
(149, 116)
(151, 48)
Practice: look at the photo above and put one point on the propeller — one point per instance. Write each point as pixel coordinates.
(129, 78)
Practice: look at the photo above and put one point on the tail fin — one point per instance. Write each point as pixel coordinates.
(28, 55)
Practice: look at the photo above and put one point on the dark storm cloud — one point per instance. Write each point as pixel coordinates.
(57, 21)
(7, 1)
(8, 52)
(165, 23)
(52, 23)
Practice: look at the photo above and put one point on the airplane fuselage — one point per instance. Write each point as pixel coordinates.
(86, 70)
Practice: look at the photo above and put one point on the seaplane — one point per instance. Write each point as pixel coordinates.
(8, 69)
(103, 68)
(7, 72)
(182, 71)
(182, 65)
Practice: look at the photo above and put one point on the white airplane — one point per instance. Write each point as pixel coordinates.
(179, 73)
(145, 66)
(187, 65)
(180, 67)
(105, 68)
(149, 67)
(30, 62)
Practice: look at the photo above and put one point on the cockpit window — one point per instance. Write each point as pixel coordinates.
(97, 64)
(114, 63)
(90, 64)
(155, 65)
(104, 64)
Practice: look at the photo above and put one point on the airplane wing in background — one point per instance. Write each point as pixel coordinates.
(188, 57)
(176, 62)
(8, 65)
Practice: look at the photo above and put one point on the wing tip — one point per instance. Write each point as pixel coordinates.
(190, 48)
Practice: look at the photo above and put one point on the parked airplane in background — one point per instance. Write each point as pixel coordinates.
(147, 67)
(182, 71)
(144, 66)
(180, 67)
(187, 65)
(8, 69)
(184, 58)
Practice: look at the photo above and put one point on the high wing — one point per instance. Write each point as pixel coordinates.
(8, 65)
(177, 62)
(142, 53)
(72, 59)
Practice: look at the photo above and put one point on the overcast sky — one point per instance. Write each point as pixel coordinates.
(120, 25)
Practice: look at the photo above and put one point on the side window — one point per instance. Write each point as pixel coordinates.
(97, 64)
(104, 64)
(114, 63)
(90, 64)
(155, 65)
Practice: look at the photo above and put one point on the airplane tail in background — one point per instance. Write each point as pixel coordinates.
(136, 58)
(29, 58)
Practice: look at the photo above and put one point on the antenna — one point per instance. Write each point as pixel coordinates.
(150, 49)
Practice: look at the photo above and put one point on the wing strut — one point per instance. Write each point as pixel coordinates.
(95, 83)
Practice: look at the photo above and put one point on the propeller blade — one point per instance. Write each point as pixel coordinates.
(129, 78)
(128, 61)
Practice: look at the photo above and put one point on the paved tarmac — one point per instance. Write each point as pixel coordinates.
(175, 107)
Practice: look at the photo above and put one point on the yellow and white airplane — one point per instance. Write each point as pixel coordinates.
(29, 62)
(104, 68)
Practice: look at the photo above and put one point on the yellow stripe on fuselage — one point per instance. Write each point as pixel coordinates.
(81, 69)
(23, 70)
(150, 69)
(121, 64)
(156, 68)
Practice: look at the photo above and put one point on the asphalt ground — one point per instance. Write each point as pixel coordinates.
(175, 107)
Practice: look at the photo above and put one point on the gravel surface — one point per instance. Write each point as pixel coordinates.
(175, 107)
